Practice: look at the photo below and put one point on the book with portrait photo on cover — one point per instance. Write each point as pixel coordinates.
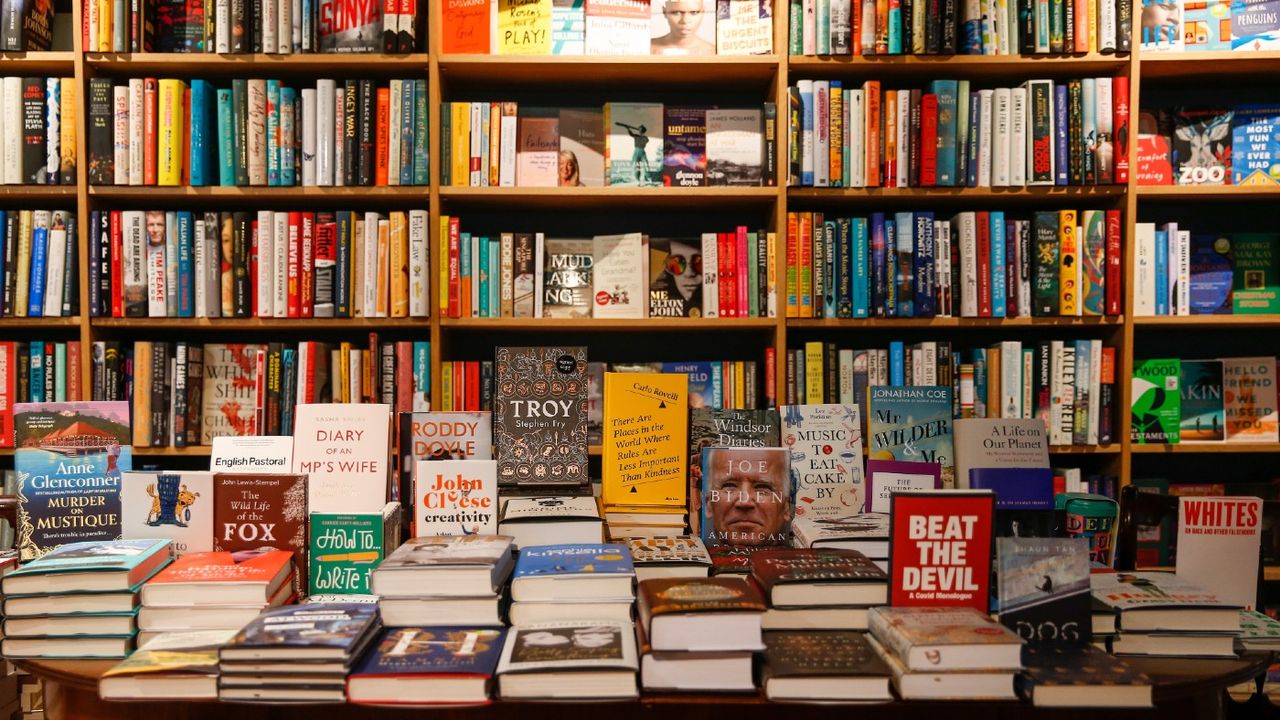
(746, 496)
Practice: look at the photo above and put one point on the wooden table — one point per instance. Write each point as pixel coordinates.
(1183, 689)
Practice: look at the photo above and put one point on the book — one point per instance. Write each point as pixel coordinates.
(1082, 677)
(945, 639)
(344, 449)
(825, 442)
(174, 505)
(345, 547)
(537, 150)
(540, 661)
(1163, 602)
(1258, 631)
(1203, 413)
(999, 443)
(724, 428)
(669, 556)
(427, 666)
(252, 511)
(717, 672)
(1251, 414)
(1042, 592)
(234, 453)
(1211, 278)
(684, 152)
(1257, 273)
(220, 578)
(617, 27)
(633, 141)
(716, 614)
(819, 577)
(582, 138)
(523, 27)
(675, 278)
(735, 147)
(551, 573)
(230, 379)
(1218, 543)
(550, 426)
(912, 424)
(567, 278)
(551, 520)
(309, 633)
(746, 496)
(940, 548)
(466, 26)
(744, 27)
(455, 497)
(171, 666)
(682, 27)
(1156, 414)
(343, 31)
(617, 276)
(51, 487)
(645, 423)
(885, 477)
(818, 665)
(453, 565)
(93, 566)
(867, 533)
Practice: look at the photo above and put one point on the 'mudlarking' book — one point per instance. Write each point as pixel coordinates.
(825, 442)
(940, 548)
(1043, 589)
(174, 505)
(540, 416)
(913, 424)
(428, 666)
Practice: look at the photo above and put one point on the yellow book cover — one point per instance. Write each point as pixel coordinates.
(142, 398)
(67, 133)
(442, 256)
(384, 268)
(739, 386)
(344, 372)
(169, 152)
(994, 363)
(771, 275)
(399, 265)
(646, 429)
(1068, 265)
(105, 17)
(813, 376)
(446, 386)
(524, 27)
(495, 142)
(23, 285)
(357, 269)
(460, 130)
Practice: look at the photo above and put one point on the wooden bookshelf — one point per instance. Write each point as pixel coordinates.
(51, 64)
(1178, 193)
(1206, 65)
(984, 67)
(568, 198)
(258, 65)
(30, 323)
(355, 325)
(953, 323)
(1173, 322)
(681, 325)
(56, 194)
(485, 71)
(950, 196)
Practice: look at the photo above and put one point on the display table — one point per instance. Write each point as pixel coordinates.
(1183, 689)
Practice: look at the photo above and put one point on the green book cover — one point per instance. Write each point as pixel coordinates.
(913, 424)
(1156, 407)
(1257, 273)
(346, 547)
(1203, 411)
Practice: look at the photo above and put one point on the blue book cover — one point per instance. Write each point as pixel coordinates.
(1016, 488)
(586, 559)
(947, 92)
(422, 367)
(861, 278)
(829, 272)
(482, 276)
(342, 627)
(273, 133)
(897, 364)
(895, 29)
(464, 260)
(39, 269)
(998, 264)
(37, 372)
(186, 269)
(448, 650)
(975, 134)
(226, 142)
(980, 382)
(905, 227)
(806, 129)
(407, 131)
(890, 268)
(925, 265)
(702, 387)
(1211, 275)
(844, 268)
(1255, 144)
(1162, 272)
(912, 424)
(70, 456)
(200, 142)
(1061, 157)
(878, 248)
(1255, 25)
(97, 556)
(290, 132)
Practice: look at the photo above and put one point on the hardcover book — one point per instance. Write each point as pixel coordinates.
(333, 631)
(885, 477)
(1043, 590)
(1257, 273)
(252, 511)
(229, 393)
(746, 496)
(684, 153)
(1251, 414)
(797, 577)
(537, 149)
(913, 424)
(617, 27)
(679, 596)
(68, 464)
(94, 565)
(567, 278)
(744, 27)
(256, 453)
(663, 554)
(188, 655)
(594, 646)
(1255, 25)
(1141, 591)
(406, 655)
(539, 410)
(708, 427)
(440, 436)
(999, 443)
(618, 277)
(735, 148)
(1156, 410)
(814, 654)
(524, 27)
(867, 532)
(1211, 275)
(1202, 146)
(825, 442)
(1203, 412)
(1218, 541)
(633, 142)
(347, 29)
(937, 639)
(582, 147)
(1082, 677)
(455, 497)
(548, 573)
(174, 505)
(213, 578)
(344, 450)
(940, 548)
(645, 423)
(465, 26)
(346, 547)
(675, 278)
(568, 27)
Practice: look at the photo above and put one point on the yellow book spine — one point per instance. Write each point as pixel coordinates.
(344, 372)
(446, 386)
(442, 266)
(813, 376)
(357, 268)
(460, 129)
(399, 265)
(67, 134)
(1068, 265)
(169, 170)
(739, 387)
(23, 287)
(104, 25)
(994, 363)
(384, 268)
(495, 142)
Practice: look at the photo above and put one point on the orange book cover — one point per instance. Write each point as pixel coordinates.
(890, 136)
(150, 129)
(871, 144)
(793, 259)
(384, 268)
(382, 138)
(1082, 25)
(222, 567)
(464, 26)
(495, 143)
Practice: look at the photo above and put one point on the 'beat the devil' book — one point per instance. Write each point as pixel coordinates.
(344, 449)
(913, 424)
(940, 548)
(825, 442)
(1043, 590)
(174, 505)
(746, 496)
(724, 428)
(645, 423)
(251, 511)
(68, 462)
(540, 416)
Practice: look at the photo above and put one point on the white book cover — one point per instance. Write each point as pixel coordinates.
(266, 262)
(284, 28)
(137, 123)
(904, 139)
(616, 27)
(1018, 140)
(345, 451)
(122, 152)
(175, 505)
(1002, 137)
(735, 147)
(479, 114)
(395, 112)
(326, 92)
(1218, 546)
(825, 444)
(56, 259)
(1144, 277)
(1095, 391)
(369, 265)
(455, 497)
(857, 169)
(270, 21)
(967, 231)
(581, 645)
(156, 279)
(1183, 299)
(1105, 152)
(618, 276)
(310, 109)
(509, 124)
(986, 127)
(1028, 386)
(251, 454)
(419, 281)
(222, 26)
(821, 133)
(280, 265)
(535, 509)
(200, 258)
(539, 253)
(710, 290)
(1106, 26)
(1056, 390)
(1010, 379)
(807, 132)
(11, 109)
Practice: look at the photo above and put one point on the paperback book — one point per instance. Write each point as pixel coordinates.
(645, 423)
(940, 548)
(1043, 590)
(173, 505)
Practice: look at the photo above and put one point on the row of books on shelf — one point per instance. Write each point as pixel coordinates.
(257, 132)
(600, 27)
(1178, 272)
(1069, 385)
(523, 274)
(233, 264)
(36, 371)
(38, 130)
(949, 134)
(39, 274)
(1212, 26)
(975, 27)
(1208, 145)
(1177, 400)
(506, 144)
(1060, 263)
(258, 26)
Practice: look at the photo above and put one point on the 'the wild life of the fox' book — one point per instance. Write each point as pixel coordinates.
(645, 426)
(913, 424)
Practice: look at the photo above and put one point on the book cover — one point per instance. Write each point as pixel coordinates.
(818, 565)
(455, 497)
(567, 274)
(1078, 670)
(913, 424)
(347, 28)
(871, 527)
(1156, 410)
(537, 150)
(465, 26)
(645, 422)
(682, 27)
(675, 278)
(550, 508)
(940, 548)
(96, 556)
(677, 596)
(1257, 273)
(885, 477)
(68, 465)
(1142, 590)
(1218, 541)
(900, 629)
(539, 412)
(1250, 402)
(568, 27)
(820, 653)
(449, 551)
(524, 27)
(344, 449)
(177, 505)
(257, 453)
(1212, 275)
(1203, 410)
(617, 27)
(346, 547)
(229, 393)
(581, 147)
(746, 496)
(633, 143)
(668, 550)
(825, 442)
(735, 148)
(1201, 150)
(595, 645)
(708, 427)
(342, 627)
(571, 560)
(179, 653)
(744, 27)
(684, 151)
(224, 567)
(618, 277)
(1042, 592)
(252, 511)
(1255, 25)
(999, 443)
(426, 651)
(1255, 135)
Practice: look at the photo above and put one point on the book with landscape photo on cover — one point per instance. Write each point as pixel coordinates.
(912, 424)
(1203, 413)
(735, 147)
(540, 415)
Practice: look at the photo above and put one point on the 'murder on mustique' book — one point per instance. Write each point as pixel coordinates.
(69, 459)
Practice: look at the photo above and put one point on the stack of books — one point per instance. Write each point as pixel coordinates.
(550, 520)
(80, 600)
(444, 580)
(169, 666)
(298, 653)
(823, 589)
(699, 634)
(1159, 614)
(867, 533)
(578, 660)
(572, 582)
(214, 591)
(680, 556)
(946, 653)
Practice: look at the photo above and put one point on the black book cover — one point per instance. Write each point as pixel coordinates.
(240, 126)
(820, 653)
(769, 118)
(1069, 27)
(831, 370)
(26, 25)
(932, 27)
(71, 270)
(367, 126)
(1026, 27)
(1075, 133)
(762, 271)
(9, 284)
(948, 44)
(540, 416)
(1044, 282)
(241, 292)
(34, 159)
(195, 392)
(254, 20)
(350, 138)
(101, 132)
(1078, 668)
(240, 40)
(1124, 25)
(486, 385)
(913, 143)
(181, 361)
(95, 263)
(1043, 591)
(102, 239)
(907, 29)
(408, 28)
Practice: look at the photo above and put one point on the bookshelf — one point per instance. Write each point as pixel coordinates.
(588, 79)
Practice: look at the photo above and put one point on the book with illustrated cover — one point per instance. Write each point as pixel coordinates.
(1251, 414)
(675, 277)
(440, 436)
(582, 135)
(746, 496)
(1138, 592)
(455, 497)
(539, 413)
(678, 555)
(618, 276)
(427, 666)
(825, 442)
(346, 547)
(537, 148)
(213, 578)
(344, 30)
(1257, 273)
(183, 665)
(596, 645)
(945, 638)
(568, 27)
(1203, 414)
(1255, 25)
(1259, 631)
(705, 381)
(684, 154)
(912, 424)
(1042, 592)
(645, 423)
(1201, 149)
(867, 532)
(1156, 409)
(940, 548)
(524, 27)
(1255, 132)
(1082, 677)
(174, 505)
(229, 393)
(550, 573)
(68, 465)
(708, 427)
(1212, 275)
(567, 274)
(334, 631)
(633, 142)
(92, 566)
(252, 511)
(679, 596)
(734, 147)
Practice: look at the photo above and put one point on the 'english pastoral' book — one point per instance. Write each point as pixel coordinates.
(567, 273)
(1156, 406)
(746, 496)
(940, 548)
(257, 453)
(645, 424)
(68, 462)
(633, 143)
(885, 477)
(174, 505)
(1249, 384)
(229, 393)
(1218, 540)
(540, 416)
(825, 442)
(1203, 414)
(253, 511)
(427, 666)
(708, 427)
(344, 449)
(346, 547)
(1043, 590)
(455, 497)
(913, 424)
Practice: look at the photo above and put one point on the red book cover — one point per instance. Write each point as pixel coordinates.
(253, 267)
(741, 303)
(150, 130)
(293, 276)
(382, 139)
(473, 386)
(74, 393)
(929, 140)
(984, 263)
(306, 265)
(404, 377)
(222, 567)
(1114, 261)
(725, 272)
(408, 34)
(464, 26)
(455, 286)
(117, 265)
(871, 96)
(940, 548)
(1120, 106)
(8, 390)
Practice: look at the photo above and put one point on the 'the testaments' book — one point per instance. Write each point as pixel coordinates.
(645, 424)
(344, 449)
(174, 505)
(1043, 589)
(540, 416)
(69, 460)
(940, 548)
(913, 424)
(1203, 412)
(1156, 406)
(825, 442)
(746, 496)
(710, 427)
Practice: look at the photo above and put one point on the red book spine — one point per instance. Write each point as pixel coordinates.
(873, 100)
(770, 378)
(726, 261)
(455, 285)
(929, 140)
(117, 265)
(408, 19)
(292, 278)
(1120, 104)
(1115, 259)
(473, 386)
(306, 266)
(259, 391)
(74, 393)
(382, 139)
(254, 250)
(308, 378)
(8, 389)
(459, 385)
(404, 377)
(984, 264)
(150, 93)
(740, 270)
